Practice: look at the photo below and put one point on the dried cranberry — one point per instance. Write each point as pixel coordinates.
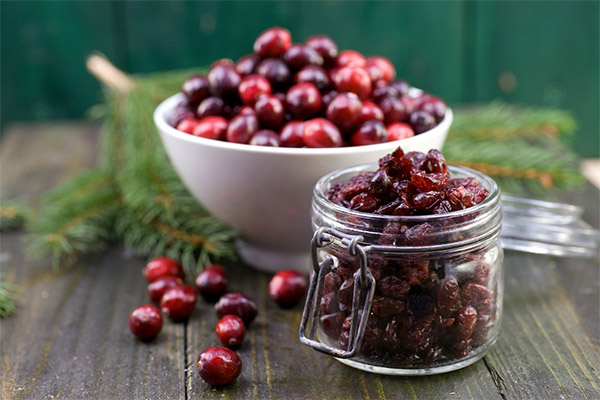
(231, 331)
(211, 283)
(477, 296)
(157, 288)
(435, 162)
(427, 200)
(386, 307)
(364, 202)
(237, 304)
(426, 182)
(287, 288)
(178, 303)
(145, 322)
(465, 322)
(447, 295)
(219, 366)
(161, 267)
(393, 286)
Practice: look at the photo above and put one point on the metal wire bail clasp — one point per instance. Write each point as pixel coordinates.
(365, 283)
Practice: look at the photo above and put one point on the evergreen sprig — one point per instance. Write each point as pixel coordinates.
(9, 296)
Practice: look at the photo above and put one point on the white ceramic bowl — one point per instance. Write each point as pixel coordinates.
(265, 192)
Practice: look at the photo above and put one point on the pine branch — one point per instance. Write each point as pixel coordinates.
(9, 295)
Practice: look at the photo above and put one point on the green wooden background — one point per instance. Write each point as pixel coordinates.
(536, 52)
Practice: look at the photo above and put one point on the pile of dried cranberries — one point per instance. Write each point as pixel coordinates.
(304, 95)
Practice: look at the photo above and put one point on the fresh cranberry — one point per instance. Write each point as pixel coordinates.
(246, 65)
(241, 129)
(211, 106)
(276, 72)
(328, 97)
(422, 98)
(370, 132)
(353, 79)
(345, 111)
(219, 366)
(211, 283)
(237, 304)
(399, 130)
(157, 288)
(351, 58)
(320, 132)
(273, 42)
(178, 302)
(325, 46)
(265, 137)
(421, 121)
(195, 88)
(269, 110)
(252, 87)
(402, 87)
(380, 69)
(211, 128)
(315, 75)
(291, 134)
(303, 100)
(394, 110)
(223, 80)
(287, 288)
(231, 331)
(247, 110)
(188, 125)
(370, 111)
(160, 267)
(381, 92)
(299, 56)
(228, 62)
(434, 106)
(180, 113)
(145, 322)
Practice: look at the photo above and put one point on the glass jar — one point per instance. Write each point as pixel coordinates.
(431, 285)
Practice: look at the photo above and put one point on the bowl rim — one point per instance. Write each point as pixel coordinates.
(168, 104)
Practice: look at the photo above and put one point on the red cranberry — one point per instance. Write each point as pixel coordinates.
(195, 88)
(345, 111)
(265, 137)
(351, 58)
(370, 132)
(211, 283)
(399, 130)
(178, 302)
(328, 97)
(394, 110)
(211, 106)
(231, 331)
(315, 75)
(325, 46)
(402, 87)
(287, 288)
(370, 111)
(299, 56)
(291, 134)
(276, 72)
(160, 267)
(223, 80)
(228, 62)
(211, 128)
(353, 79)
(180, 113)
(252, 87)
(381, 92)
(303, 100)
(219, 366)
(420, 99)
(145, 322)
(237, 304)
(241, 129)
(434, 106)
(421, 121)
(320, 132)
(246, 65)
(188, 125)
(380, 68)
(157, 288)
(269, 110)
(246, 110)
(273, 42)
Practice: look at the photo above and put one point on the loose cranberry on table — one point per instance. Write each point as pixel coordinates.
(231, 331)
(370, 132)
(299, 56)
(315, 75)
(380, 69)
(178, 303)
(246, 65)
(223, 80)
(270, 111)
(291, 134)
(265, 137)
(320, 132)
(237, 304)
(211, 283)
(241, 128)
(157, 288)
(252, 87)
(325, 46)
(145, 322)
(211, 128)
(273, 42)
(353, 79)
(219, 366)
(276, 72)
(287, 288)
(211, 106)
(345, 111)
(161, 267)
(195, 88)
(188, 125)
(399, 130)
(350, 58)
(303, 100)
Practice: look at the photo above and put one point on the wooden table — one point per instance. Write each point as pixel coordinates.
(70, 337)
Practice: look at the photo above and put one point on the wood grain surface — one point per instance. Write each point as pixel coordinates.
(70, 337)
